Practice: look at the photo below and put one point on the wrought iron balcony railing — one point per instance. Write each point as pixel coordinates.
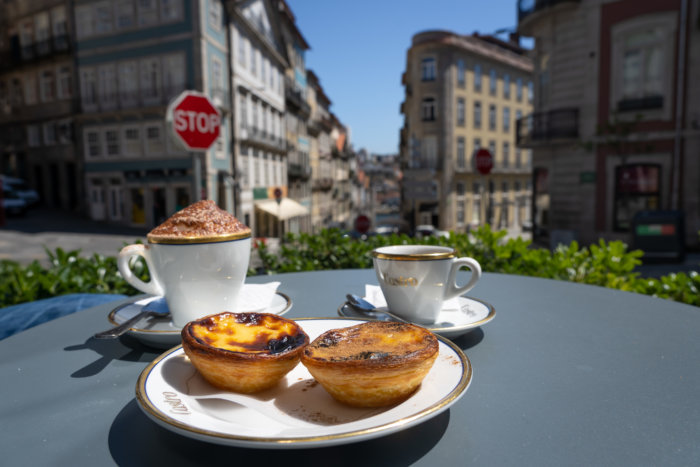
(542, 127)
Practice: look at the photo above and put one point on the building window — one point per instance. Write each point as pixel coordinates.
(64, 131)
(112, 142)
(477, 114)
(84, 26)
(171, 10)
(242, 49)
(107, 84)
(125, 15)
(506, 154)
(132, 141)
(93, 144)
(46, 86)
(530, 92)
(492, 149)
(64, 88)
(128, 82)
(506, 119)
(429, 110)
(148, 12)
(477, 77)
(460, 73)
(506, 86)
(428, 69)
(460, 111)
(643, 48)
(33, 136)
(477, 146)
(29, 88)
(150, 78)
(492, 117)
(253, 60)
(217, 74)
(461, 159)
(519, 89)
(215, 14)
(103, 17)
(518, 158)
(155, 143)
(492, 82)
(637, 188)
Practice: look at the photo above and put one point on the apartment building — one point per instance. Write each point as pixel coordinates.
(133, 58)
(616, 122)
(320, 155)
(296, 118)
(37, 99)
(463, 93)
(258, 59)
(341, 156)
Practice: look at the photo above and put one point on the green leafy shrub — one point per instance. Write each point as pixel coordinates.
(606, 264)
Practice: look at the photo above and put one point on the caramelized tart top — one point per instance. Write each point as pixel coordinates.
(201, 222)
(245, 333)
(375, 343)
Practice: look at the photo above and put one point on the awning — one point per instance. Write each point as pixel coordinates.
(286, 209)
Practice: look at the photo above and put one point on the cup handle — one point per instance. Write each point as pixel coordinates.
(452, 289)
(131, 251)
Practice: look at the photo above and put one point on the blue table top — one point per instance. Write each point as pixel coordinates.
(566, 374)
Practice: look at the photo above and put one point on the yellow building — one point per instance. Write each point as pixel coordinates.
(463, 93)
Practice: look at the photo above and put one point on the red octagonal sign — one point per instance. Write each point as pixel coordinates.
(484, 161)
(194, 120)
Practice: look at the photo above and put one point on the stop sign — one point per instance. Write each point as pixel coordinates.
(194, 120)
(484, 161)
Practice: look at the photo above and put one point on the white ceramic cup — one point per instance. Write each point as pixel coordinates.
(417, 279)
(196, 279)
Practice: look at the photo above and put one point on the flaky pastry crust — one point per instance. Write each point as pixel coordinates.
(244, 352)
(371, 364)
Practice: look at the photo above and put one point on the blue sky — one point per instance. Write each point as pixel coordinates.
(358, 50)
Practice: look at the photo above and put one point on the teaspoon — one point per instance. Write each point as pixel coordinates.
(362, 305)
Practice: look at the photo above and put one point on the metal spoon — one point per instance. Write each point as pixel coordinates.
(126, 325)
(362, 305)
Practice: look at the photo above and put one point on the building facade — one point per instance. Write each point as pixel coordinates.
(38, 104)
(133, 58)
(616, 122)
(463, 93)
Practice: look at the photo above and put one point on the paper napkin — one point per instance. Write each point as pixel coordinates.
(374, 295)
(256, 297)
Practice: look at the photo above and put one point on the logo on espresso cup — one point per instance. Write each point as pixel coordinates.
(401, 281)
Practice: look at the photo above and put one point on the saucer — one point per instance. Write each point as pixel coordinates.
(298, 412)
(161, 332)
(450, 323)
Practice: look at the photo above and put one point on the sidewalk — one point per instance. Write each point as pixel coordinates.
(23, 239)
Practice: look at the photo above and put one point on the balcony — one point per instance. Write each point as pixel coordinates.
(529, 10)
(323, 184)
(132, 99)
(296, 98)
(547, 127)
(254, 136)
(295, 170)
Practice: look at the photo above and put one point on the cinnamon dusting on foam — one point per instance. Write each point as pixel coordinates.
(203, 220)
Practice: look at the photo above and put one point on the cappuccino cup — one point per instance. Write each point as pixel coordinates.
(197, 259)
(417, 279)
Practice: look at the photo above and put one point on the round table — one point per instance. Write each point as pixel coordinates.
(566, 374)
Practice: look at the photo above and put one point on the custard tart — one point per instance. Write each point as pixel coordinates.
(243, 352)
(371, 364)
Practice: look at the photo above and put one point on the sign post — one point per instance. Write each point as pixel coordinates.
(195, 123)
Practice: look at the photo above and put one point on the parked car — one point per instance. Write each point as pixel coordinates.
(20, 187)
(427, 230)
(12, 203)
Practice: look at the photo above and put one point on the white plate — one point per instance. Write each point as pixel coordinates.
(471, 314)
(162, 333)
(297, 413)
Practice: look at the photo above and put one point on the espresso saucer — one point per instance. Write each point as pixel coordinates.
(450, 323)
(161, 332)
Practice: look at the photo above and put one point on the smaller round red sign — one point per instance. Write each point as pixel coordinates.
(362, 223)
(484, 161)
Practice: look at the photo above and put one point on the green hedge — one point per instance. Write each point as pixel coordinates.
(608, 264)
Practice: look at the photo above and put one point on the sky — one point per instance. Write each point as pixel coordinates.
(358, 51)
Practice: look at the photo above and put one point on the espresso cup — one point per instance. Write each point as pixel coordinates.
(197, 277)
(417, 279)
